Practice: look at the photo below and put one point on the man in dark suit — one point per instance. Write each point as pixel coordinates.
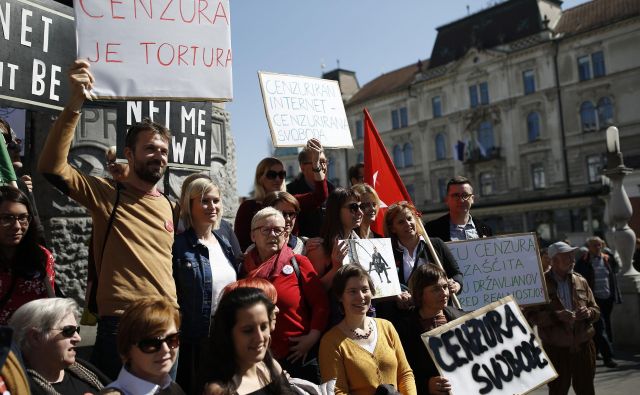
(458, 224)
(309, 222)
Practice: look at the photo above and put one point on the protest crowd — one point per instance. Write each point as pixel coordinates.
(188, 304)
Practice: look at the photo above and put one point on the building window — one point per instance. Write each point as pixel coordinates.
(588, 117)
(584, 68)
(594, 167)
(408, 155)
(605, 112)
(529, 81)
(487, 183)
(587, 64)
(533, 126)
(360, 158)
(411, 189)
(359, 129)
(479, 94)
(537, 176)
(399, 118)
(442, 189)
(485, 137)
(597, 60)
(436, 106)
(395, 119)
(290, 171)
(441, 148)
(398, 158)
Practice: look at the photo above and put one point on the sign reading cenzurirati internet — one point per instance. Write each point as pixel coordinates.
(300, 108)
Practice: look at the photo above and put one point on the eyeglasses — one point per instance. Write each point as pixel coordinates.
(369, 206)
(68, 330)
(353, 207)
(272, 174)
(267, 230)
(149, 346)
(323, 162)
(289, 214)
(461, 196)
(7, 220)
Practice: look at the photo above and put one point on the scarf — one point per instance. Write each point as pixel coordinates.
(269, 268)
(433, 322)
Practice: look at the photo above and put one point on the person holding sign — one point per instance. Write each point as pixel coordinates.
(565, 324)
(133, 223)
(430, 291)
(362, 353)
(409, 239)
(269, 177)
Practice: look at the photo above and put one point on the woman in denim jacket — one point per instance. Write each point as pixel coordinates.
(203, 264)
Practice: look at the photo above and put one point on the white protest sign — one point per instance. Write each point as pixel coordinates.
(494, 267)
(146, 49)
(299, 108)
(376, 257)
(490, 351)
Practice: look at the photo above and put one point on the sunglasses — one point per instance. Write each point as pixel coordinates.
(289, 214)
(149, 346)
(68, 330)
(354, 207)
(272, 174)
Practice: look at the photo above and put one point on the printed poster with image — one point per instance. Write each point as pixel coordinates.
(376, 257)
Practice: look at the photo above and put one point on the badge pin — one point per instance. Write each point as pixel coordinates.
(287, 269)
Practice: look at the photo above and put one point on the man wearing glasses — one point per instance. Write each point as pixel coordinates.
(458, 224)
(309, 221)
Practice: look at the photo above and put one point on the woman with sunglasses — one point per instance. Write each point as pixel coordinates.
(241, 362)
(270, 177)
(26, 267)
(370, 204)
(203, 264)
(342, 221)
(301, 299)
(403, 225)
(47, 332)
(362, 353)
(148, 341)
(288, 205)
(429, 288)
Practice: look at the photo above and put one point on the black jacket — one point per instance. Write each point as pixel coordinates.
(439, 228)
(308, 222)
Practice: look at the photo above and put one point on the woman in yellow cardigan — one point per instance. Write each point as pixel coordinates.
(362, 353)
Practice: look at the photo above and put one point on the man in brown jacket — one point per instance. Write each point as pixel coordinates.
(565, 323)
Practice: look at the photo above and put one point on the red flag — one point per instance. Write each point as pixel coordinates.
(380, 172)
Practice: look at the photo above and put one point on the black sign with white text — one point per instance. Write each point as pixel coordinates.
(37, 45)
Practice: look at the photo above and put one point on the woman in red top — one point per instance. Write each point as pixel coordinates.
(26, 268)
(270, 176)
(299, 326)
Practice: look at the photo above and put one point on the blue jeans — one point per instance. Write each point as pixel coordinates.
(105, 355)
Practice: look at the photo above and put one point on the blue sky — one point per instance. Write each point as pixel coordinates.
(369, 37)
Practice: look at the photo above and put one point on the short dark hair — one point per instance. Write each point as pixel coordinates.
(303, 156)
(343, 275)
(424, 276)
(458, 180)
(139, 127)
(353, 170)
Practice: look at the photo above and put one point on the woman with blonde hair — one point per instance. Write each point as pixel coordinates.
(370, 205)
(270, 176)
(203, 264)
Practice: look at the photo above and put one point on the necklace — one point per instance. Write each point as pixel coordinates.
(365, 335)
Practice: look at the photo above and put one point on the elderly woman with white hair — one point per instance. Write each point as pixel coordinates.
(299, 326)
(47, 332)
(203, 264)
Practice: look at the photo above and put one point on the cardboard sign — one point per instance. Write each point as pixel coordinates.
(494, 267)
(189, 123)
(300, 108)
(376, 257)
(149, 49)
(490, 351)
(37, 41)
